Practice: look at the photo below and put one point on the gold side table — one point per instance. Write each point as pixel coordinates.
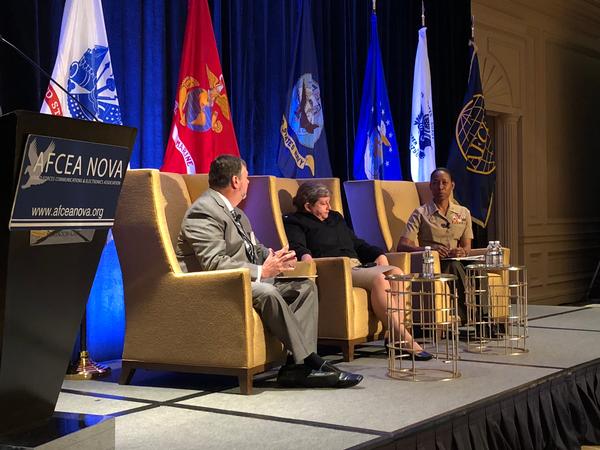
(496, 298)
(426, 306)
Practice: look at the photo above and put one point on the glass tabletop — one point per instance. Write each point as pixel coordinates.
(486, 267)
(422, 277)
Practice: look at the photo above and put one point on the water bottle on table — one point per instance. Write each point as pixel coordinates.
(428, 263)
(500, 255)
(491, 254)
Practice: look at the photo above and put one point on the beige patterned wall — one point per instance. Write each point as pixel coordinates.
(540, 64)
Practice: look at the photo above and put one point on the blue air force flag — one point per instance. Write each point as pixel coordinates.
(375, 147)
(303, 149)
(471, 158)
(422, 140)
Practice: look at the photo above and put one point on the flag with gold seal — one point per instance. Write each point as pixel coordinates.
(303, 151)
(202, 128)
(471, 158)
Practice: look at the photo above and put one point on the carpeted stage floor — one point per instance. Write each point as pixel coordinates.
(547, 398)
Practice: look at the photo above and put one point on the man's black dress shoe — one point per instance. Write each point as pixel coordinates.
(344, 379)
(492, 331)
(466, 333)
(299, 375)
(498, 330)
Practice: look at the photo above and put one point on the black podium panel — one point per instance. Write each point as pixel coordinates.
(46, 293)
(43, 288)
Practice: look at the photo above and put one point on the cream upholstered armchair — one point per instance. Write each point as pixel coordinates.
(199, 322)
(345, 316)
(381, 209)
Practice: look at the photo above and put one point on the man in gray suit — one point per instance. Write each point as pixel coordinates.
(215, 234)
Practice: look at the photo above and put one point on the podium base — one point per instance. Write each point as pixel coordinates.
(87, 369)
(64, 430)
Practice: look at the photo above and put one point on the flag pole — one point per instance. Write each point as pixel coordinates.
(85, 368)
(473, 28)
(422, 13)
(374, 5)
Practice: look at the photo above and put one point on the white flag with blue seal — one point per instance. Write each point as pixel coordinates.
(83, 67)
(422, 138)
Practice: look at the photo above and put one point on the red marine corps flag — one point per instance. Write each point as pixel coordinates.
(202, 127)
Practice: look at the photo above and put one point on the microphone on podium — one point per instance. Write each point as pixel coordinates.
(90, 115)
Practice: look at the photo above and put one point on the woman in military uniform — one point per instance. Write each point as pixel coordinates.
(445, 227)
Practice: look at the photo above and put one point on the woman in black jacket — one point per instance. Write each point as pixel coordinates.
(317, 231)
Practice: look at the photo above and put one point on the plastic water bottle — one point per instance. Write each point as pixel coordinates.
(500, 255)
(428, 263)
(496, 244)
(490, 254)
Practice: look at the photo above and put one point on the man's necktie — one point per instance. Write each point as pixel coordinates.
(249, 247)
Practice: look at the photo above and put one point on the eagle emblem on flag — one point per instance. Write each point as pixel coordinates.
(92, 82)
(199, 106)
(306, 114)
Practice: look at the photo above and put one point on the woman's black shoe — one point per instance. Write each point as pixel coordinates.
(419, 356)
(423, 356)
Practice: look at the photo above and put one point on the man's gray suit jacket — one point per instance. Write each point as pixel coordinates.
(210, 240)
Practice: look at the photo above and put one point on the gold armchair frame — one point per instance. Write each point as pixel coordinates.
(345, 315)
(380, 211)
(201, 322)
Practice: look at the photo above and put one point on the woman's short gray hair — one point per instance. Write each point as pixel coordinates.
(310, 192)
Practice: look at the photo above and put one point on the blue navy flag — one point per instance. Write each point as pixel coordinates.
(375, 147)
(471, 158)
(303, 149)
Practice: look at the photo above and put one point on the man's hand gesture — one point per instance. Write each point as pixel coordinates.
(282, 260)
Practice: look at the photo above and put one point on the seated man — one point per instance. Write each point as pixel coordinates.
(445, 227)
(215, 234)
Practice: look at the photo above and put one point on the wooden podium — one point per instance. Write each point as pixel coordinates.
(44, 288)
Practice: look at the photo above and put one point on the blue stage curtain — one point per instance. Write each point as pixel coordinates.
(145, 39)
(255, 40)
(256, 43)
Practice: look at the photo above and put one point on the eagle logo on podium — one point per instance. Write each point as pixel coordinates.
(199, 106)
(36, 163)
(473, 138)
